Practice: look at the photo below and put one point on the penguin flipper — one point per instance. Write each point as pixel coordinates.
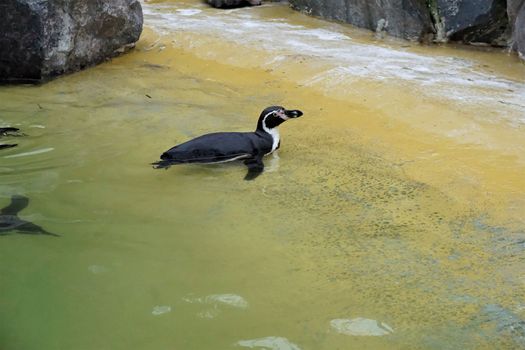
(6, 130)
(255, 167)
(17, 203)
(30, 228)
(162, 164)
(7, 145)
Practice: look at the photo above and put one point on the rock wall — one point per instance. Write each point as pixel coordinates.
(491, 22)
(403, 18)
(474, 21)
(42, 39)
(233, 3)
(516, 13)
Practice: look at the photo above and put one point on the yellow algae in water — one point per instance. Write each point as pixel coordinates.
(430, 110)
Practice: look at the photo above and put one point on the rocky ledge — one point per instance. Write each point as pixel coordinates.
(486, 22)
(45, 38)
(226, 4)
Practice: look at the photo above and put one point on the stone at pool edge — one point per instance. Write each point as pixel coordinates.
(492, 22)
(516, 13)
(227, 4)
(44, 39)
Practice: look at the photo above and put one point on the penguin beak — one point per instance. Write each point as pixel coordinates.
(295, 113)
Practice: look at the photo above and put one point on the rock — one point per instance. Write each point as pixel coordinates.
(488, 22)
(409, 19)
(216, 301)
(474, 21)
(520, 33)
(516, 14)
(513, 9)
(233, 3)
(43, 39)
(227, 299)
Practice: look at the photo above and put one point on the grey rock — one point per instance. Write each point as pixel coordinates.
(409, 19)
(233, 3)
(475, 21)
(45, 38)
(516, 14)
(490, 22)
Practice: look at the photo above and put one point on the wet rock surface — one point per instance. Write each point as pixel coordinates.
(233, 3)
(43, 39)
(481, 21)
(408, 19)
(491, 22)
(516, 13)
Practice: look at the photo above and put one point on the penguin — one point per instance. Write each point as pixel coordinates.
(9, 131)
(9, 220)
(224, 147)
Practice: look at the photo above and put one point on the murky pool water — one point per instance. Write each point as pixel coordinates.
(392, 217)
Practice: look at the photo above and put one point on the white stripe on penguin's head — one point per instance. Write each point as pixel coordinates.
(274, 132)
(279, 113)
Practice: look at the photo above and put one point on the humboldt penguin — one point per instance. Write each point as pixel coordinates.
(9, 220)
(9, 131)
(223, 147)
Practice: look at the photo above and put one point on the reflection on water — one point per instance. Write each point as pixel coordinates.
(390, 219)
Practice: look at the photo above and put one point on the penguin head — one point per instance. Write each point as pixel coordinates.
(273, 116)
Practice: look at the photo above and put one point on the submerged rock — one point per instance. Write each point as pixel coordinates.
(215, 301)
(270, 343)
(43, 39)
(506, 323)
(233, 3)
(160, 309)
(227, 299)
(361, 327)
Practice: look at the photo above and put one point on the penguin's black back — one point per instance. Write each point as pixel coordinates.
(220, 147)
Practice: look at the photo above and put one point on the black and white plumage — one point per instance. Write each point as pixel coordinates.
(9, 131)
(10, 222)
(223, 147)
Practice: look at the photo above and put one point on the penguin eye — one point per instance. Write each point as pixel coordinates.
(279, 113)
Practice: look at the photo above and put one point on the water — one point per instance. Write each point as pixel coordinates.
(391, 218)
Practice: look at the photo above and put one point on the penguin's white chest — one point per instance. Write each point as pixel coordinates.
(274, 133)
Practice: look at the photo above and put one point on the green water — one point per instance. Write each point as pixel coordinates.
(345, 223)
